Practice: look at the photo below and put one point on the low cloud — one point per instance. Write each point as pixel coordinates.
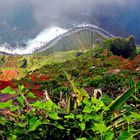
(46, 12)
(116, 16)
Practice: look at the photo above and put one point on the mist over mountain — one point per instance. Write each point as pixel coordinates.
(23, 20)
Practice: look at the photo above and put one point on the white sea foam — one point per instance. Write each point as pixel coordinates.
(34, 44)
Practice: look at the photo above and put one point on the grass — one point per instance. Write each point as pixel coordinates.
(58, 57)
(36, 61)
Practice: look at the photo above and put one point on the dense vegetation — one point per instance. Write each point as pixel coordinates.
(91, 95)
(121, 46)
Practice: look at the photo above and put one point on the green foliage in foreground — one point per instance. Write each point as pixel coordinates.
(91, 119)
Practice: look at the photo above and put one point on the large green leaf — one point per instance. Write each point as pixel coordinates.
(31, 95)
(125, 135)
(101, 127)
(56, 124)
(82, 125)
(70, 116)
(80, 91)
(38, 104)
(54, 116)
(2, 120)
(21, 100)
(48, 105)
(116, 104)
(20, 88)
(109, 135)
(13, 137)
(81, 138)
(135, 116)
(132, 83)
(22, 124)
(14, 108)
(8, 90)
(6, 104)
(33, 124)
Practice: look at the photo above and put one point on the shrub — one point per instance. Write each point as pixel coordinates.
(121, 46)
(23, 63)
(2, 59)
(93, 81)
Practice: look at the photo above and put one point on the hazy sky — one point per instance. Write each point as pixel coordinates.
(112, 15)
(44, 12)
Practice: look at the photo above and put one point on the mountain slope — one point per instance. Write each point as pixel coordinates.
(78, 38)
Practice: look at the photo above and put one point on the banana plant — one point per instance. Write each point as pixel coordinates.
(117, 103)
(81, 93)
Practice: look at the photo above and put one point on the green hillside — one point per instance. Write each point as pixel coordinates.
(81, 40)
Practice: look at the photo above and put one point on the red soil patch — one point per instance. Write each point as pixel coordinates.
(4, 84)
(115, 58)
(34, 86)
(137, 59)
(7, 75)
(125, 64)
(128, 65)
(106, 52)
